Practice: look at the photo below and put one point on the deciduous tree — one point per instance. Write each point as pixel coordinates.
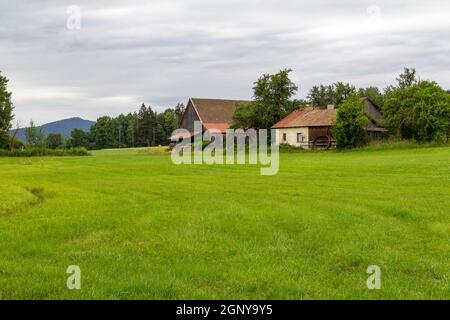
(420, 110)
(272, 101)
(6, 112)
(349, 129)
(323, 95)
(55, 140)
(35, 136)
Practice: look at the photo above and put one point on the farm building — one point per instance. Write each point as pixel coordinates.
(312, 127)
(214, 114)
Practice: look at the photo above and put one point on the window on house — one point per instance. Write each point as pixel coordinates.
(300, 137)
(284, 136)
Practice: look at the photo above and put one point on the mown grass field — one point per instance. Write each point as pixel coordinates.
(140, 227)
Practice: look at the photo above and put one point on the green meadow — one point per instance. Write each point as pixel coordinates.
(140, 227)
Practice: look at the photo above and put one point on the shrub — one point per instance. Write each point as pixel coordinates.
(287, 148)
(41, 152)
(15, 143)
(154, 150)
(55, 140)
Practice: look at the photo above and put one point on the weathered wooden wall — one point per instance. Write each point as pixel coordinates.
(189, 117)
(315, 132)
(372, 111)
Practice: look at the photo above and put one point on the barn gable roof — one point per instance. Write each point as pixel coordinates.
(216, 113)
(216, 110)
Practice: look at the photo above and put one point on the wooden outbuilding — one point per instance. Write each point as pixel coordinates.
(312, 127)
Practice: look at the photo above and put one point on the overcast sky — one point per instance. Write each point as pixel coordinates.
(163, 51)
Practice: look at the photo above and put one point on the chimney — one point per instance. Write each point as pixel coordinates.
(330, 107)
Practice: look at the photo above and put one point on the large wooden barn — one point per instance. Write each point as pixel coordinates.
(214, 114)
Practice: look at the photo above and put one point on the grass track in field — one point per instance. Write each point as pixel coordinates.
(140, 227)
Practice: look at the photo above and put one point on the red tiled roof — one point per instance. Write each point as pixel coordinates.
(285, 122)
(222, 127)
(308, 117)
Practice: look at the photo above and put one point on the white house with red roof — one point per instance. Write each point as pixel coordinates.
(312, 127)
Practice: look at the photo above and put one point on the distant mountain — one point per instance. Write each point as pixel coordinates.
(64, 127)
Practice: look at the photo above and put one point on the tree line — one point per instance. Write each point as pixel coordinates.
(143, 128)
(412, 109)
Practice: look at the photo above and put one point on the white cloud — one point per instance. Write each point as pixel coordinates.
(116, 100)
(44, 93)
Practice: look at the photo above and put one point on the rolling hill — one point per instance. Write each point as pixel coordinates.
(64, 127)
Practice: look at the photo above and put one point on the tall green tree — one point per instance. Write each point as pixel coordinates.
(373, 93)
(272, 101)
(247, 116)
(320, 96)
(146, 127)
(420, 110)
(120, 126)
(55, 140)
(179, 111)
(6, 112)
(349, 129)
(408, 78)
(102, 133)
(323, 95)
(166, 123)
(342, 91)
(132, 132)
(80, 138)
(35, 136)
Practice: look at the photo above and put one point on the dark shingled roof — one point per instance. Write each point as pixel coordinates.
(216, 111)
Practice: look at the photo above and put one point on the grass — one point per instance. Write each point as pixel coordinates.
(402, 144)
(140, 227)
